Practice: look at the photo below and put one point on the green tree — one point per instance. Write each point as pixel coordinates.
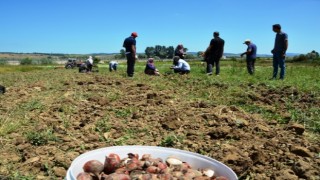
(199, 54)
(313, 55)
(122, 53)
(26, 61)
(96, 60)
(160, 51)
(170, 52)
(185, 50)
(149, 52)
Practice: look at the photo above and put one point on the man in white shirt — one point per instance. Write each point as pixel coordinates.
(89, 64)
(113, 66)
(180, 66)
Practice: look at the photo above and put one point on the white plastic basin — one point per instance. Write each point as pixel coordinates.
(195, 160)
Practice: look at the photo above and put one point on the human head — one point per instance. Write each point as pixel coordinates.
(150, 60)
(247, 41)
(180, 46)
(134, 34)
(176, 59)
(216, 34)
(276, 27)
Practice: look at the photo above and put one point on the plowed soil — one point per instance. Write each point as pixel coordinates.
(84, 112)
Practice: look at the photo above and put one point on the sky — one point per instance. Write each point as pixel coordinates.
(100, 26)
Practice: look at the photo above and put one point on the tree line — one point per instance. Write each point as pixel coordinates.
(311, 56)
(157, 52)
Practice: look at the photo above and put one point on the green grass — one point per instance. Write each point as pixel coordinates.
(232, 87)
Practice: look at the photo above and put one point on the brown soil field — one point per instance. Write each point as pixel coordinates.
(84, 112)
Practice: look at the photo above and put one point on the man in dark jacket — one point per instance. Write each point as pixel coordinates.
(130, 45)
(214, 53)
(279, 51)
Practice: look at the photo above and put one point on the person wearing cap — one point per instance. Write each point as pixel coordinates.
(279, 52)
(180, 66)
(130, 45)
(214, 53)
(151, 68)
(179, 51)
(251, 55)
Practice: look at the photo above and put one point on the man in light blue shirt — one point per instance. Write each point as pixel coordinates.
(279, 52)
(180, 66)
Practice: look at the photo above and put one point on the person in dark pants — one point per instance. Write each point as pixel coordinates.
(180, 66)
(113, 66)
(279, 52)
(89, 64)
(214, 53)
(251, 55)
(130, 45)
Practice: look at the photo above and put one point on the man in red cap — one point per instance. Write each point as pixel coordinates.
(130, 45)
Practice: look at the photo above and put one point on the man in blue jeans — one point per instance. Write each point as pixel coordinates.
(279, 52)
(130, 45)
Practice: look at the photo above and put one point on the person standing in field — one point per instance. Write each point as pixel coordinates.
(251, 55)
(179, 51)
(279, 52)
(130, 45)
(214, 53)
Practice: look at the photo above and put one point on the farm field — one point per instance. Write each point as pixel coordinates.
(262, 129)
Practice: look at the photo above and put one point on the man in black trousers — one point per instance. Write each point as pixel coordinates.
(214, 53)
(130, 45)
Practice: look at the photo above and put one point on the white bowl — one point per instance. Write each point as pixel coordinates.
(196, 161)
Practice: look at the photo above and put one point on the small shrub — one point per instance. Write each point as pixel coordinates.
(3, 61)
(103, 125)
(26, 61)
(168, 141)
(46, 61)
(96, 60)
(123, 113)
(40, 138)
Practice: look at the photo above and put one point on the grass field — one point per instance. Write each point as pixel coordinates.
(235, 84)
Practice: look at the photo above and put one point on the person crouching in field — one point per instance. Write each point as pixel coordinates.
(180, 66)
(151, 68)
(83, 68)
(113, 66)
(89, 64)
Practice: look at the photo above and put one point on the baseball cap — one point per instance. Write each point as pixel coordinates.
(134, 34)
(247, 40)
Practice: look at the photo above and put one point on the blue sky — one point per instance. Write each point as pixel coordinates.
(100, 26)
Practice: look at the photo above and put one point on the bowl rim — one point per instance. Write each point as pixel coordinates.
(110, 148)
